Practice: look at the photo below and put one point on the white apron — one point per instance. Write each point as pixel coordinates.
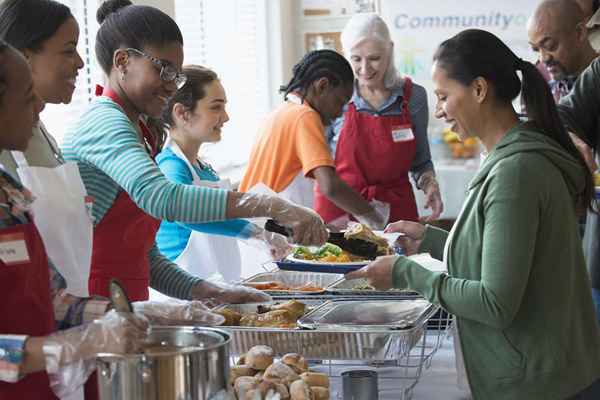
(62, 215)
(207, 255)
(300, 191)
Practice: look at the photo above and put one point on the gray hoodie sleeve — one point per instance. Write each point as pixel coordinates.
(580, 109)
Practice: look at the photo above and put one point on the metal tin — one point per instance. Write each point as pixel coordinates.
(366, 315)
(197, 368)
(293, 278)
(346, 287)
(347, 344)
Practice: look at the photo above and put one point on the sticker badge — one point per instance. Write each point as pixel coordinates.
(13, 249)
(402, 133)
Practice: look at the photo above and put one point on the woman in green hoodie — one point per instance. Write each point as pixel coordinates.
(516, 280)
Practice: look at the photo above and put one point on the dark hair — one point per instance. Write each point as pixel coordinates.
(319, 64)
(595, 6)
(464, 60)
(4, 48)
(193, 90)
(27, 24)
(126, 25)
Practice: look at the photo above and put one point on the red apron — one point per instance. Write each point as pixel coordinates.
(26, 308)
(373, 156)
(122, 241)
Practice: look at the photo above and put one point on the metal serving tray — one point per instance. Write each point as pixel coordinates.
(366, 315)
(346, 287)
(344, 344)
(293, 278)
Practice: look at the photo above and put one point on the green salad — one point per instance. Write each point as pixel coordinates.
(328, 249)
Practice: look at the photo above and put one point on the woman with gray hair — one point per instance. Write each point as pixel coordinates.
(382, 135)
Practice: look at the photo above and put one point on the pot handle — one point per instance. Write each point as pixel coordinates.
(105, 370)
(145, 369)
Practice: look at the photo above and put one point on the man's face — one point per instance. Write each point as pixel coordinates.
(557, 46)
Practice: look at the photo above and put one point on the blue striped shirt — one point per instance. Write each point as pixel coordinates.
(172, 237)
(106, 146)
(419, 114)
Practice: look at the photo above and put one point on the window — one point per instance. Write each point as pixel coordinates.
(230, 37)
(58, 117)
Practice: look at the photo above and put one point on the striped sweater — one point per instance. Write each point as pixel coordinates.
(111, 158)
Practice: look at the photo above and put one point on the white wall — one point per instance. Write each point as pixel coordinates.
(168, 6)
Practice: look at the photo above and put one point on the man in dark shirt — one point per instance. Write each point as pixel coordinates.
(558, 34)
(580, 112)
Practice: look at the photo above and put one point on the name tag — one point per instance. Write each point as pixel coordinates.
(13, 249)
(402, 134)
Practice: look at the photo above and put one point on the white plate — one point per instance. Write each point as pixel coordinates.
(315, 262)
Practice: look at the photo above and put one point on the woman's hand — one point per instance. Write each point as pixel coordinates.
(114, 332)
(213, 294)
(433, 199)
(307, 226)
(177, 312)
(378, 273)
(411, 238)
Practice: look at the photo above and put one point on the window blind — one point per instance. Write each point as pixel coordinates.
(58, 117)
(230, 38)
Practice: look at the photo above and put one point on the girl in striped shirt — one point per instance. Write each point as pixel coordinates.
(141, 51)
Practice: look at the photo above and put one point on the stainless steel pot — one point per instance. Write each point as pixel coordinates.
(188, 363)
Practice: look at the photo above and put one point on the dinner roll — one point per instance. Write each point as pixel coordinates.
(299, 390)
(320, 393)
(296, 362)
(259, 357)
(315, 379)
(279, 372)
(241, 360)
(245, 384)
(253, 394)
(239, 370)
(283, 391)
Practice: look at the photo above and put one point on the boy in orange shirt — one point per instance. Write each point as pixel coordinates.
(291, 151)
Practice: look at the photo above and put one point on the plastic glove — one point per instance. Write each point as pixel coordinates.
(69, 354)
(273, 243)
(212, 294)
(307, 226)
(177, 312)
(378, 217)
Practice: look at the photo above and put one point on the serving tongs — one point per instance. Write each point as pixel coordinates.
(118, 297)
(358, 247)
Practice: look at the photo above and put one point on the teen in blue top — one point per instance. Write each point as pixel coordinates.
(195, 115)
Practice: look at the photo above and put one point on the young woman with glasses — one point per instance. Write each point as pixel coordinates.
(114, 143)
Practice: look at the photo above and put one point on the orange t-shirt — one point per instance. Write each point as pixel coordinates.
(292, 139)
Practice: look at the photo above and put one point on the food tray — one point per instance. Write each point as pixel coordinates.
(294, 278)
(364, 345)
(324, 268)
(366, 315)
(344, 287)
(250, 308)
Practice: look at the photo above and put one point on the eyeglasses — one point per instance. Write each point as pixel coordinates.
(168, 73)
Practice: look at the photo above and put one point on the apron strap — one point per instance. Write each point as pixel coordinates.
(19, 158)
